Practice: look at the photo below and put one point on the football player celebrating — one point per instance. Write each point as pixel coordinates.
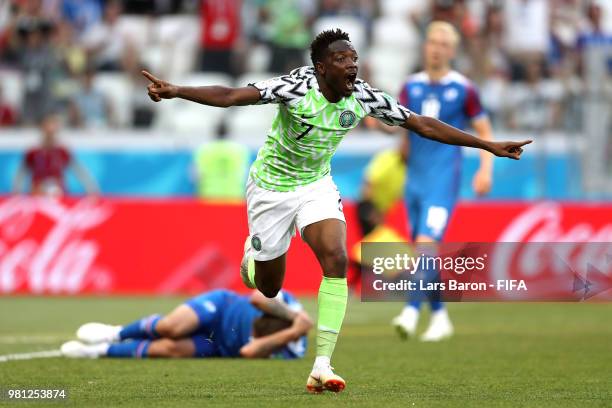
(290, 184)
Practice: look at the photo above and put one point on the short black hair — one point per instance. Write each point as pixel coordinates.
(267, 324)
(319, 45)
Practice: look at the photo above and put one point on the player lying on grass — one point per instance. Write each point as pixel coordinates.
(290, 185)
(219, 323)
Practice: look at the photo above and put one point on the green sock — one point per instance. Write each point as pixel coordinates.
(251, 271)
(333, 294)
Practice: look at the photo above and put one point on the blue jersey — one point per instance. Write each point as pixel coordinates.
(226, 320)
(434, 167)
(453, 100)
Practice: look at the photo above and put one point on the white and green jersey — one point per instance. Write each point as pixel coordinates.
(308, 128)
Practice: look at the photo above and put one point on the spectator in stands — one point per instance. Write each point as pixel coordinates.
(89, 108)
(39, 65)
(45, 165)
(8, 114)
(289, 24)
(535, 104)
(221, 168)
(22, 16)
(82, 14)
(362, 9)
(493, 38)
(108, 46)
(143, 113)
(489, 66)
(565, 25)
(593, 34)
(220, 35)
(7, 12)
(70, 53)
(527, 33)
(454, 12)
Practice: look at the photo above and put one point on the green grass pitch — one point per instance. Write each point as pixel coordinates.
(503, 355)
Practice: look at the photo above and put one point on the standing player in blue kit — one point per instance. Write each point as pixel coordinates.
(434, 168)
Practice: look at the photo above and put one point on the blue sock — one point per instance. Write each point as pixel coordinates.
(435, 297)
(141, 329)
(129, 349)
(414, 303)
(436, 305)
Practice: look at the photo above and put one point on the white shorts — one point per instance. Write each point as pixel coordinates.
(274, 215)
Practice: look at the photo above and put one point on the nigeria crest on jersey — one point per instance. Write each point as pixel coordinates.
(307, 128)
(347, 119)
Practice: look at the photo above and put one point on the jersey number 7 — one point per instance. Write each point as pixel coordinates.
(305, 132)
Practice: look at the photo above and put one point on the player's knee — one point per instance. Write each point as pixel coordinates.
(166, 329)
(269, 291)
(170, 348)
(335, 263)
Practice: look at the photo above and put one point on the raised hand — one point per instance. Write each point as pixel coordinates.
(159, 89)
(511, 150)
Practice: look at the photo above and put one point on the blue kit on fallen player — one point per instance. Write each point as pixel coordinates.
(226, 324)
(434, 168)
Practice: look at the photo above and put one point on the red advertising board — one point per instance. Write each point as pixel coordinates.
(147, 246)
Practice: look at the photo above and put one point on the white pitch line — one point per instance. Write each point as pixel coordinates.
(31, 339)
(30, 356)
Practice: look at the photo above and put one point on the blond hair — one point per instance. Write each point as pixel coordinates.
(445, 27)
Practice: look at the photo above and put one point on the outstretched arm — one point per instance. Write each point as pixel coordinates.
(433, 129)
(220, 96)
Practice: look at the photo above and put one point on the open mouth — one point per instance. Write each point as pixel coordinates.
(350, 81)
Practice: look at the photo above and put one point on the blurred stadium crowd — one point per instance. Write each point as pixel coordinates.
(83, 57)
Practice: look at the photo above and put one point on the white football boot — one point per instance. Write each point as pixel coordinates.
(323, 378)
(246, 264)
(94, 333)
(440, 327)
(76, 349)
(406, 322)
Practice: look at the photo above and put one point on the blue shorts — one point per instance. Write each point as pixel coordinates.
(430, 211)
(205, 346)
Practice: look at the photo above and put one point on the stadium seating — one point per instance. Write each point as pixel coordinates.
(178, 40)
(353, 26)
(207, 78)
(394, 52)
(187, 117)
(390, 68)
(155, 59)
(251, 77)
(394, 32)
(399, 8)
(137, 28)
(251, 122)
(258, 58)
(117, 88)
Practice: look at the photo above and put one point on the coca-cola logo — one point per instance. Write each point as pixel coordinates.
(43, 248)
(551, 268)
